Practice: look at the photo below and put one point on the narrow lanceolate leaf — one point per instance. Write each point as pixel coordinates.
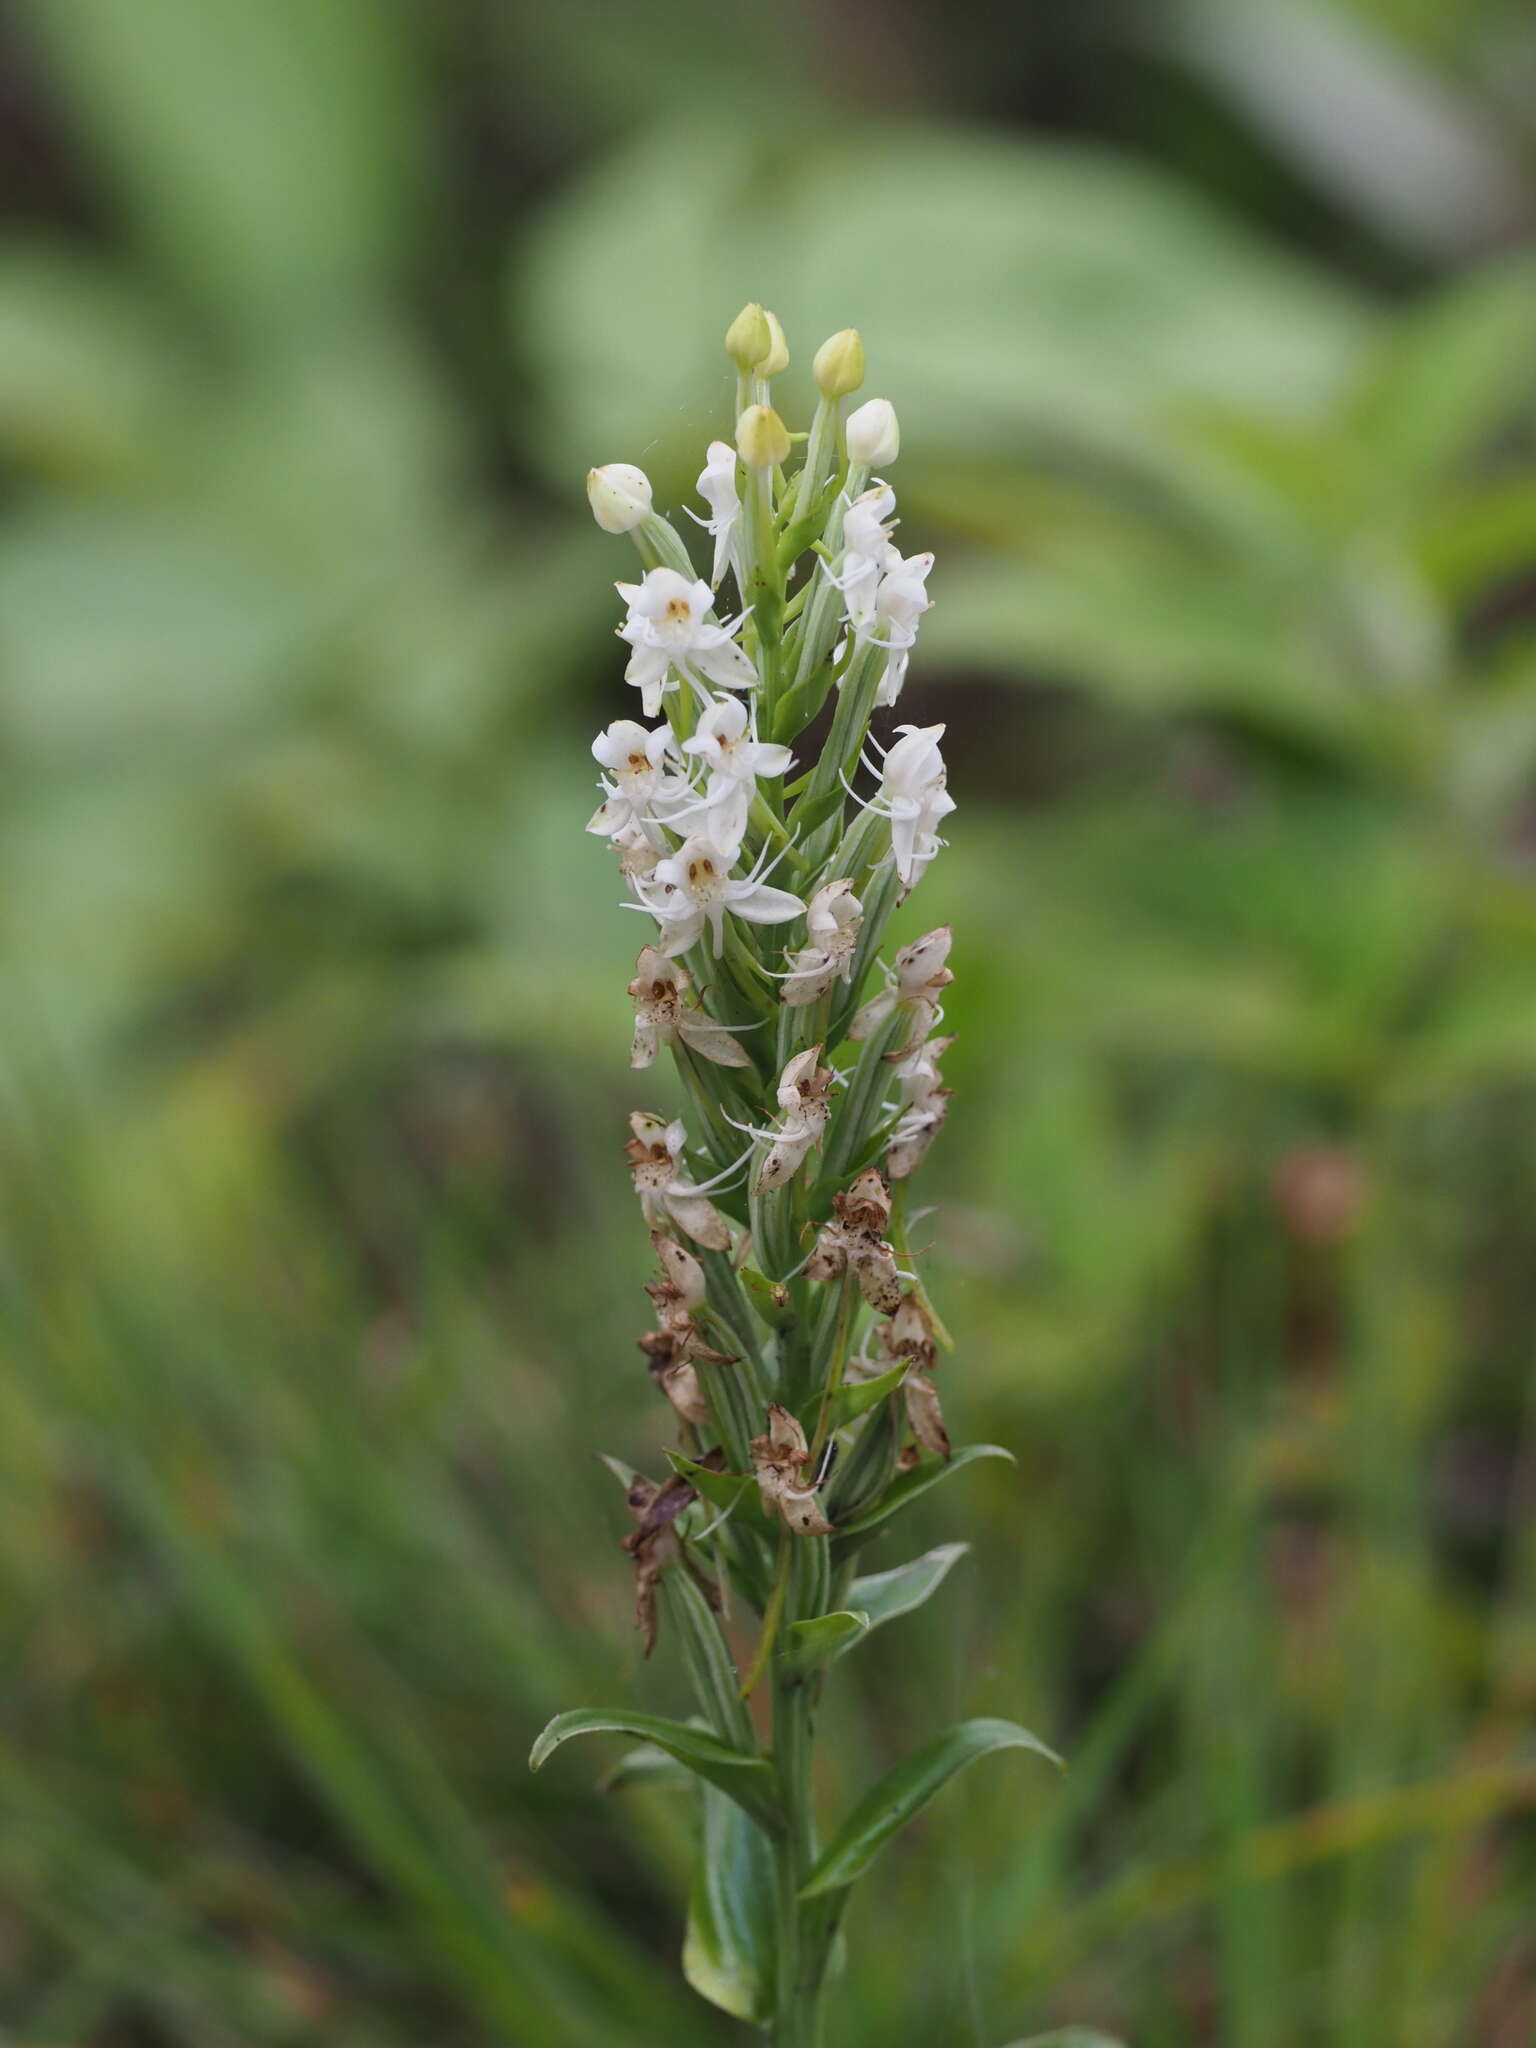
(646, 1765)
(810, 1644)
(911, 1484)
(720, 1489)
(849, 1402)
(882, 1596)
(904, 1792)
(728, 1948)
(746, 1779)
(714, 1677)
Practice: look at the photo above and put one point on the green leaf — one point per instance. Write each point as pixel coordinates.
(904, 1792)
(646, 1765)
(851, 1401)
(626, 1475)
(746, 1779)
(907, 1488)
(810, 1644)
(728, 1948)
(882, 1596)
(720, 1489)
(763, 1294)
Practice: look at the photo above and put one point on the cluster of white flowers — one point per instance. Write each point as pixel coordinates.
(718, 846)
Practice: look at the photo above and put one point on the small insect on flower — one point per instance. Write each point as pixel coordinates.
(695, 888)
(805, 1098)
(832, 922)
(780, 1460)
(655, 1155)
(664, 1016)
(670, 629)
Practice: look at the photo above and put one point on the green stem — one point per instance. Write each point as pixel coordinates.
(800, 1948)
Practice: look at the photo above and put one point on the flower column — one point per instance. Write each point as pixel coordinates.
(795, 1343)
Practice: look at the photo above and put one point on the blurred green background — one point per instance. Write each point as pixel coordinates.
(1212, 325)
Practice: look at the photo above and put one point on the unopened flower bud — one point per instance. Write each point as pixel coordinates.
(749, 338)
(776, 356)
(874, 437)
(762, 437)
(838, 365)
(620, 496)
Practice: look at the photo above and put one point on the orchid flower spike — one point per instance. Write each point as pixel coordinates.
(669, 628)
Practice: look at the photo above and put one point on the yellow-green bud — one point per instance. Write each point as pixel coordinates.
(620, 496)
(762, 437)
(872, 433)
(749, 337)
(777, 355)
(838, 365)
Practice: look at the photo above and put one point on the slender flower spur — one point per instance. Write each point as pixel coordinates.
(794, 1342)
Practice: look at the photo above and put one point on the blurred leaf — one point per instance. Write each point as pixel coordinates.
(1452, 373)
(903, 1793)
(88, 367)
(269, 154)
(1064, 292)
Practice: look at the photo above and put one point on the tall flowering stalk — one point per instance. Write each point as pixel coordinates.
(793, 1340)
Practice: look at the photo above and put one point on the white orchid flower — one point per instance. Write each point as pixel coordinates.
(832, 923)
(804, 1096)
(786, 1483)
(914, 984)
(926, 1101)
(727, 746)
(655, 1155)
(669, 627)
(695, 888)
(717, 487)
(664, 1016)
(913, 797)
(638, 783)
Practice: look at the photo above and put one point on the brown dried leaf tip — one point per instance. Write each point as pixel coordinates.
(654, 1543)
(780, 1459)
